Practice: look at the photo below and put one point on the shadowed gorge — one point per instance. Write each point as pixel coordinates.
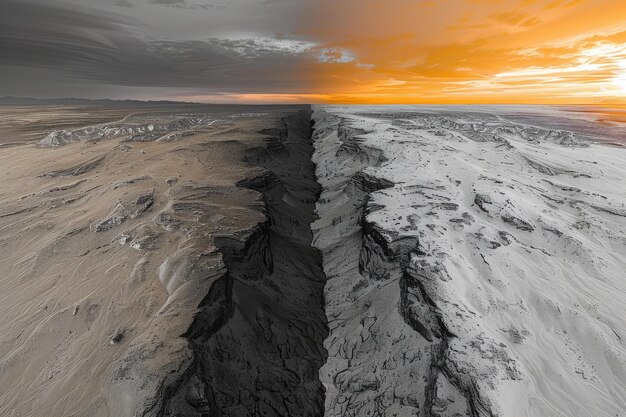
(257, 341)
(340, 261)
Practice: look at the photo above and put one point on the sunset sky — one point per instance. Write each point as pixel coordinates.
(363, 51)
(474, 51)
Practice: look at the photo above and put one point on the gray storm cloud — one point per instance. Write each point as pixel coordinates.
(90, 47)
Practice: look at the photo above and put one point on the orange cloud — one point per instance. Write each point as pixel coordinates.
(471, 51)
(515, 18)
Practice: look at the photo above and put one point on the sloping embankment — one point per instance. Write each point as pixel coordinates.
(403, 288)
(387, 342)
(257, 340)
(486, 281)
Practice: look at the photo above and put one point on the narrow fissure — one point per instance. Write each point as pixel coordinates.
(258, 340)
(320, 313)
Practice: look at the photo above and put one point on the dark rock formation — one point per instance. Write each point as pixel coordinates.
(257, 340)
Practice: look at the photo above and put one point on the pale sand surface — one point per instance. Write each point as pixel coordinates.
(502, 245)
(469, 264)
(80, 259)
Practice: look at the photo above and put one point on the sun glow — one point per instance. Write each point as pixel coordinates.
(620, 79)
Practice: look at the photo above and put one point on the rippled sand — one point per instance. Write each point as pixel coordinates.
(107, 250)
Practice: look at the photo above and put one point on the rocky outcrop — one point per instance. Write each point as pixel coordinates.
(387, 341)
(257, 340)
(76, 170)
(143, 128)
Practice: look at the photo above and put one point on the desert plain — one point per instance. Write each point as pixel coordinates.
(172, 259)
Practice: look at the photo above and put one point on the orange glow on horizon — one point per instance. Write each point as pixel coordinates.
(254, 98)
(471, 51)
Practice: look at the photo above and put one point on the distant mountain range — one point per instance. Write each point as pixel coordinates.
(29, 101)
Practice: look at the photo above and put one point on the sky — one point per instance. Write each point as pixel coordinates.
(333, 51)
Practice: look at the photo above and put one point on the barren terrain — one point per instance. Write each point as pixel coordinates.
(342, 261)
(475, 265)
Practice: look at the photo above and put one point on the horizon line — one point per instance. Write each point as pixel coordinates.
(329, 103)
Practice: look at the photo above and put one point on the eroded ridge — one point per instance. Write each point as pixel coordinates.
(386, 342)
(147, 128)
(258, 341)
(473, 266)
(107, 251)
